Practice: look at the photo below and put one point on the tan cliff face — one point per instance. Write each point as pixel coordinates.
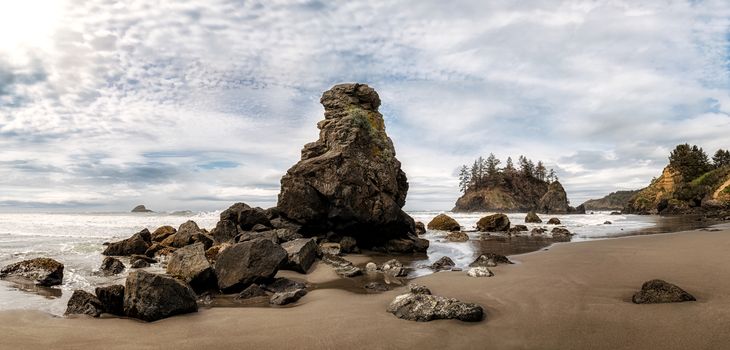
(722, 193)
(647, 200)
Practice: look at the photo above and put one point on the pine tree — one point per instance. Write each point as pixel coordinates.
(551, 176)
(464, 179)
(509, 168)
(492, 170)
(540, 171)
(721, 158)
(691, 162)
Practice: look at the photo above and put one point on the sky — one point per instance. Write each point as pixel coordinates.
(195, 105)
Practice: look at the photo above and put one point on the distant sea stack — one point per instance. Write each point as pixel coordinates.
(141, 209)
(527, 187)
(349, 181)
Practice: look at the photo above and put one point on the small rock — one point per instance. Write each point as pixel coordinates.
(532, 218)
(42, 271)
(330, 248)
(479, 271)
(554, 221)
(394, 268)
(285, 298)
(615, 213)
(137, 244)
(377, 287)
(371, 267)
(301, 254)
(139, 264)
(420, 305)
(420, 228)
(84, 303)
(259, 228)
(493, 223)
(490, 260)
(457, 237)
(537, 231)
(281, 285)
(111, 266)
(561, 233)
(343, 267)
(659, 291)
(444, 263)
(348, 245)
(443, 222)
(607, 223)
(111, 298)
(252, 291)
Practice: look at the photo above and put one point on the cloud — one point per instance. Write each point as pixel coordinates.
(191, 104)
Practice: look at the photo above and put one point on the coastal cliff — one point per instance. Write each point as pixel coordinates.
(613, 201)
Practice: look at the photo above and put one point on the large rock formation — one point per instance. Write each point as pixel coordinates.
(349, 181)
(555, 200)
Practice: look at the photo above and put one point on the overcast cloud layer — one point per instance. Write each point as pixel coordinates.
(198, 104)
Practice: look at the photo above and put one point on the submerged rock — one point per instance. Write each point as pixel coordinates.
(301, 254)
(245, 263)
(561, 233)
(479, 271)
(607, 222)
(111, 298)
(659, 291)
(137, 244)
(42, 271)
(190, 264)
(377, 287)
(84, 303)
(554, 221)
(111, 266)
(151, 297)
(493, 223)
(420, 305)
(349, 181)
(444, 222)
(490, 260)
(532, 218)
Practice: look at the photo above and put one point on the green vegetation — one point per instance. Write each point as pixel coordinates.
(486, 173)
(690, 161)
(702, 185)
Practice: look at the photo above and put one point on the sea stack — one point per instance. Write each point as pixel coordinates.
(349, 181)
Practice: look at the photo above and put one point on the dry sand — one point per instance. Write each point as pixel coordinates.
(574, 296)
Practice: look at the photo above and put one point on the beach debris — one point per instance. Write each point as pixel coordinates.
(151, 297)
(479, 271)
(493, 223)
(394, 268)
(111, 298)
(561, 233)
(301, 254)
(443, 222)
(420, 305)
(111, 266)
(163, 232)
(42, 271)
(420, 228)
(490, 260)
(252, 291)
(553, 221)
(377, 287)
(659, 291)
(245, 263)
(443, 263)
(190, 264)
(457, 236)
(137, 244)
(342, 266)
(325, 190)
(532, 218)
(84, 303)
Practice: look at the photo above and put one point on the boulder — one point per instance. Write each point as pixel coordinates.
(349, 181)
(561, 233)
(532, 218)
(138, 263)
(301, 254)
(245, 263)
(554, 221)
(394, 268)
(493, 223)
(420, 228)
(163, 232)
(224, 231)
(444, 222)
(247, 217)
(252, 291)
(151, 297)
(420, 305)
(479, 271)
(555, 200)
(260, 228)
(42, 271)
(443, 263)
(190, 264)
(342, 266)
(111, 298)
(141, 209)
(137, 244)
(251, 235)
(457, 236)
(190, 233)
(537, 231)
(490, 260)
(659, 291)
(84, 303)
(111, 266)
(405, 245)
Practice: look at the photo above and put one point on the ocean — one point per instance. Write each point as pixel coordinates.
(75, 239)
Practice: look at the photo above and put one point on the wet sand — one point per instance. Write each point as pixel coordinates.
(572, 296)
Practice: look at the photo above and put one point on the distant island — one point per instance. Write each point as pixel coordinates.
(528, 187)
(141, 209)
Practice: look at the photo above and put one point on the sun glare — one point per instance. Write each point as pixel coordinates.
(27, 24)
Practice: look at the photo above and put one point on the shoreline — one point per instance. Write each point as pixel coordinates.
(571, 296)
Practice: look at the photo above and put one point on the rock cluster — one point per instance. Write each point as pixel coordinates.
(420, 305)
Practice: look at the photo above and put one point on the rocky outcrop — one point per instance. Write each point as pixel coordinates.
(152, 297)
(301, 254)
(111, 298)
(141, 209)
(137, 244)
(245, 263)
(111, 266)
(555, 200)
(190, 264)
(444, 222)
(614, 201)
(420, 305)
(493, 223)
(659, 291)
(532, 218)
(349, 181)
(42, 271)
(84, 303)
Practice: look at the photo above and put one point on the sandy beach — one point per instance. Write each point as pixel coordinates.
(571, 296)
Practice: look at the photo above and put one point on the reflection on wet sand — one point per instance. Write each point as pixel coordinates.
(30, 287)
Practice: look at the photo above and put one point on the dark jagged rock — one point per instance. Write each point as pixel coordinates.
(420, 305)
(111, 266)
(532, 218)
(190, 264)
(349, 180)
(493, 223)
(342, 266)
(151, 297)
(246, 217)
(554, 221)
(288, 297)
(190, 233)
(443, 263)
(330, 248)
(137, 244)
(444, 222)
(163, 232)
(42, 271)
(301, 254)
(245, 263)
(420, 228)
(281, 285)
(139, 263)
(490, 260)
(561, 233)
(581, 209)
(457, 236)
(659, 291)
(555, 200)
(84, 303)
(112, 299)
(518, 228)
(141, 209)
(224, 231)
(252, 291)
(246, 236)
